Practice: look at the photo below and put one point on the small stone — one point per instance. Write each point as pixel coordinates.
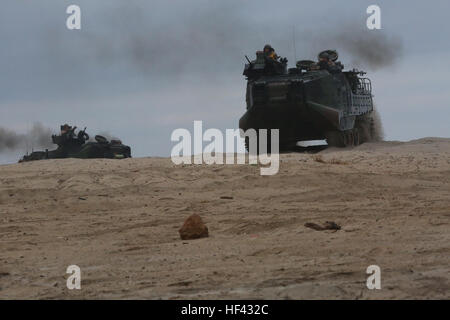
(331, 225)
(328, 225)
(193, 228)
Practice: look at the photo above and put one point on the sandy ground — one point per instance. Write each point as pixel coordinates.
(119, 220)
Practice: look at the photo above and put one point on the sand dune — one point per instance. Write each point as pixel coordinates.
(119, 221)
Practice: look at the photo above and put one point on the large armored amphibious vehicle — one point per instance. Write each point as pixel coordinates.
(313, 101)
(71, 145)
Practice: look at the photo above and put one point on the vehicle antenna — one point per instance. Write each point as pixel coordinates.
(26, 136)
(293, 40)
(32, 139)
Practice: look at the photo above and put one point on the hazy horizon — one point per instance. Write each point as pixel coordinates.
(142, 69)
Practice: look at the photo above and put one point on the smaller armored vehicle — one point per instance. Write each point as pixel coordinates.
(71, 145)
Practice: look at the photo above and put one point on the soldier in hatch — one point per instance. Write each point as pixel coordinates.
(269, 52)
(324, 61)
(67, 141)
(67, 131)
(274, 64)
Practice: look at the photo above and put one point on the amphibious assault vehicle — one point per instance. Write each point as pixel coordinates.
(308, 102)
(79, 146)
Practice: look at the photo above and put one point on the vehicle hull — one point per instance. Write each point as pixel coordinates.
(307, 106)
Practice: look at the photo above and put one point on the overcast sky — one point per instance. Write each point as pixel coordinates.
(140, 69)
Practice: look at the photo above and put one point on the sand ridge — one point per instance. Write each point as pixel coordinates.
(119, 221)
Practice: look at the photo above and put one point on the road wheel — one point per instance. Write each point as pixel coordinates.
(355, 137)
(350, 138)
(266, 143)
(335, 139)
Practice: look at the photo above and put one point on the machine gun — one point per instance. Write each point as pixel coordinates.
(357, 72)
(83, 136)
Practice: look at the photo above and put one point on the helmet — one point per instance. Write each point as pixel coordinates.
(328, 54)
(268, 47)
(324, 55)
(65, 127)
